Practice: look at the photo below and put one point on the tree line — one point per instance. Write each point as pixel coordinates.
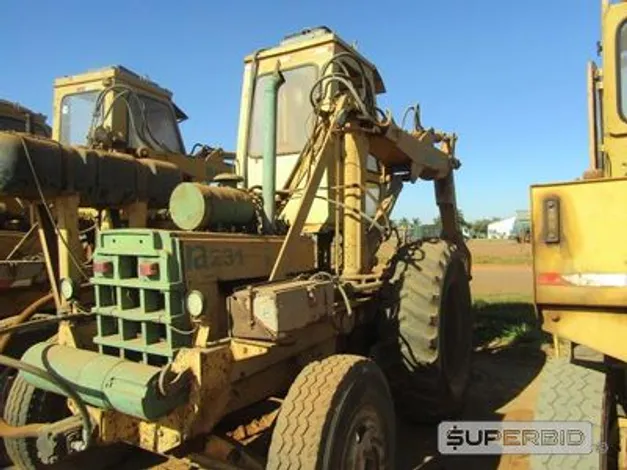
(477, 227)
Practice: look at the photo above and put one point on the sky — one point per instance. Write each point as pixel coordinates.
(509, 78)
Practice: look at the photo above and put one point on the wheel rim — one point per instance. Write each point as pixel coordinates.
(366, 444)
(456, 341)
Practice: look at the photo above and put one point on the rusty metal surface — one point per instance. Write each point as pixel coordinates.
(268, 312)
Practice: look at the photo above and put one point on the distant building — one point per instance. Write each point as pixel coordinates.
(509, 227)
(501, 228)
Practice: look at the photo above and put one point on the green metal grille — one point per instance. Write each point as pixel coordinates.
(140, 315)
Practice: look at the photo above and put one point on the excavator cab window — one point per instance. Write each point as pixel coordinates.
(153, 123)
(622, 69)
(149, 122)
(294, 111)
(76, 117)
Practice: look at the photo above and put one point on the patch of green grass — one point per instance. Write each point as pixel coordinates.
(506, 321)
(508, 298)
(524, 259)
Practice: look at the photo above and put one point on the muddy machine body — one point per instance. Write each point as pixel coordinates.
(283, 281)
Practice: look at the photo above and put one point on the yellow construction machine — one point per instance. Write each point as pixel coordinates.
(580, 269)
(111, 159)
(285, 282)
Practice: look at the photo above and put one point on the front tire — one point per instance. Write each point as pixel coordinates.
(425, 345)
(337, 414)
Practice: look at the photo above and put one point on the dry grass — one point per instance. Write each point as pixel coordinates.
(500, 252)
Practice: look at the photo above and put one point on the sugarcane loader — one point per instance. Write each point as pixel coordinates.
(580, 270)
(285, 283)
(112, 158)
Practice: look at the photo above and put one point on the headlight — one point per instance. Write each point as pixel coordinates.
(68, 288)
(195, 303)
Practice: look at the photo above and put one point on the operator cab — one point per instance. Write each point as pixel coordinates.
(303, 58)
(607, 95)
(115, 107)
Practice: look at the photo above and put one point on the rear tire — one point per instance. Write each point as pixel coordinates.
(569, 392)
(337, 414)
(425, 345)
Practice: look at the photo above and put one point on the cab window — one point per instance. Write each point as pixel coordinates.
(77, 112)
(622, 69)
(154, 125)
(294, 111)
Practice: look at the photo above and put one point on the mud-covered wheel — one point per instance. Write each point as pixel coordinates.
(18, 344)
(26, 404)
(337, 414)
(570, 392)
(425, 344)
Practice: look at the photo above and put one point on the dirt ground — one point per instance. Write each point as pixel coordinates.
(503, 388)
(503, 251)
(501, 268)
(504, 380)
(503, 280)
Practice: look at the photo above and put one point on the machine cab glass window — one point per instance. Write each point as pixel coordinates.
(294, 111)
(151, 122)
(154, 125)
(76, 116)
(622, 69)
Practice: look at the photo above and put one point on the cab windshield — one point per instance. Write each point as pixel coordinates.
(154, 124)
(151, 122)
(294, 111)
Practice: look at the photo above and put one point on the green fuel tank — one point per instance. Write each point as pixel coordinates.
(103, 381)
(195, 206)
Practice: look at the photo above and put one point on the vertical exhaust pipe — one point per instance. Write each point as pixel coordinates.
(271, 94)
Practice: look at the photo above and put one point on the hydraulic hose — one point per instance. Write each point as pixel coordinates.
(20, 432)
(36, 324)
(25, 315)
(22, 317)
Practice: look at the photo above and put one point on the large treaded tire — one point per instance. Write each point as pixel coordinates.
(570, 392)
(16, 347)
(322, 415)
(27, 404)
(425, 345)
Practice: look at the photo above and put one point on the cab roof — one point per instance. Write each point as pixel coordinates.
(312, 37)
(125, 74)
